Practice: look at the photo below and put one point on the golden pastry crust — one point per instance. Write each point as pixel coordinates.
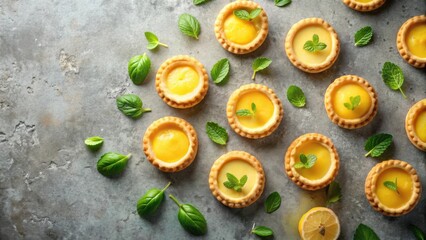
(370, 188)
(312, 68)
(402, 46)
(364, 7)
(260, 132)
(410, 119)
(350, 123)
(241, 48)
(290, 160)
(189, 156)
(254, 193)
(187, 100)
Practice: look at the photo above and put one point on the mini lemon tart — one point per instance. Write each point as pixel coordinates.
(182, 82)
(411, 41)
(350, 102)
(326, 166)
(415, 124)
(239, 164)
(303, 31)
(364, 5)
(393, 201)
(263, 120)
(241, 36)
(170, 144)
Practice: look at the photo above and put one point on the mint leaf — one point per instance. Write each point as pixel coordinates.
(138, 68)
(418, 233)
(255, 13)
(377, 144)
(299, 165)
(392, 185)
(153, 41)
(228, 184)
(243, 180)
(131, 105)
(220, 71)
(248, 16)
(311, 161)
(282, 3)
(363, 36)
(303, 159)
(216, 133)
(334, 193)
(273, 202)
(354, 102)
(253, 107)
(262, 231)
(259, 64)
(306, 161)
(189, 25)
(363, 232)
(111, 164)
(296, 96)
(94, 143)
(393, 77)
(234, 183)
(199, 2)
(232, 179)
(314, 45)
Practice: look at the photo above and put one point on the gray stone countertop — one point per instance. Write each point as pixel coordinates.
(63, 63)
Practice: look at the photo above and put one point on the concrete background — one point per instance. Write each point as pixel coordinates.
(63, 63)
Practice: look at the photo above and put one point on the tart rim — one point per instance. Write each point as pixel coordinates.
(241, 48)
(259, 132)
(186, 160)
(190, 99)
(356, 122)
(364, 7)
(412, 115)
(254, 194)
(409, 57)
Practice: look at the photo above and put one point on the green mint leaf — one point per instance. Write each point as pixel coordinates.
(138, 68)
(228, 184)
(216, 133)
(94, 143)
(243, 180)
(354, 102)
(220, 71)
(234, 180)
(299, 165)
(334, 192)
(418, 233)
(303, 158)
(238, 188)
(363, 232)
(282, 3)
(273, 202)
(315, 39)
(262, 231)
(377, 144)
(393, 77)
(314, 45)
(199, 2)
(242, 14)
(296, 96)
(311, 160)
(259, 64)
(189, 25)
(363, 36)
(150, 201)
(348, 106)
(111, 164)
(392, 185)
(255, 13)
(309, 46)
(253, 107)
(321, 46)
(244, 113)
(153, 41)
(190, 218)
(131, 105)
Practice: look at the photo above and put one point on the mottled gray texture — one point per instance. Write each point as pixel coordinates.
(63, 63)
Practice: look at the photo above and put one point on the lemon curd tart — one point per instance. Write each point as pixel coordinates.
(237, 35)
(411, 41)
(326, 165)
(182, 82)
(304, 31)
(393, 187)
(415, 124)
(260, 121)
(239, 164)
(350, 102)
(364, 5)
(170, 144)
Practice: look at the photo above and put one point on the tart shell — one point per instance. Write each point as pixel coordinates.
(297, 178)
(412, 59)
(190, 99)
(364, 7)
(312, 68)
(240, 48)
(257, 189)
(189, 156)
(254, 133)
(410, 119)
(370, 187)
(350, 123)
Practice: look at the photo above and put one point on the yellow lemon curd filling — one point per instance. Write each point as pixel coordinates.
(169, 143)
(363, 1)
(238, 168)
(264, 109)
(321, 166)
(240, 31)
(342, 95)
(391, 198)
(416, 40)
(182, 80)
(305, 34)
(420, 126)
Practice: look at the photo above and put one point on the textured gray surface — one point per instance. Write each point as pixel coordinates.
(63, 63)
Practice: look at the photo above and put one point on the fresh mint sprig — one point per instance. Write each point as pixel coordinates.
(306, 161)
(354, 102)
(234, 183)
(314, 45)
(247, 112)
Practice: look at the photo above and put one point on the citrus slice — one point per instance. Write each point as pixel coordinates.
(319, 223)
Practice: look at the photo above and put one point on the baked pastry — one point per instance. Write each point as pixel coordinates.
(411, 41)
(237, 35)
(393, 188)
(350, 102)
(364, 5)
(170, 144)
(325, 168)
(182, 81)
(260, 121)
(415, 124)
(312, 61)
(239, 164)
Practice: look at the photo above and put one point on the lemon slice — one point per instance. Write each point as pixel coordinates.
(319, 223)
